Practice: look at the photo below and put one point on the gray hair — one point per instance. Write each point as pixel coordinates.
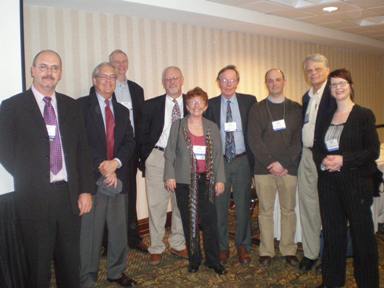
(96, 70)
(319, 58)
(171, 67)
(45, 51)
(116, 51)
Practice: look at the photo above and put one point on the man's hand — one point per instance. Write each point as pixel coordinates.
(170, 185)
(84, 203)
(219, 188)
(276, 169)
(108, 167)
(111, 180)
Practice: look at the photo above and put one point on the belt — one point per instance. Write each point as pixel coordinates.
(236, 156)
(159, 148)
(59, 184)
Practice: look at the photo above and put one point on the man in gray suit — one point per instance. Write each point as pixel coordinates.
(230, 112)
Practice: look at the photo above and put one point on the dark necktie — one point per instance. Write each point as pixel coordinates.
(175, 111)
(110, 130)
(55, 157)
(230, 149)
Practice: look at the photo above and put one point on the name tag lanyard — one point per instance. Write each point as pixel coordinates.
(270, 114)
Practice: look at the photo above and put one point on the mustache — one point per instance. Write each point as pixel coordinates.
(49, 77)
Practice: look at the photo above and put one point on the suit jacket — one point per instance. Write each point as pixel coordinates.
(359, 144)
(95, 130)
(152, 124)
(178, 159)
(24, 152)
(325, 111)
(245, 102)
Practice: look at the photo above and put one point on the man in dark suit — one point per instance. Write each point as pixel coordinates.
(318, 108)
(43, 145)
(158, 115)
(110, 136)
(230, 112)
(131, 95)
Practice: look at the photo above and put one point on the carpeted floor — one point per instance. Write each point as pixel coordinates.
(172, 272)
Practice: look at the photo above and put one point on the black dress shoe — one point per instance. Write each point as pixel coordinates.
(219, 269)
(124, 281)
(306, 264)
(265, 261)
(193, 268)
(140, 247)
(291, 260)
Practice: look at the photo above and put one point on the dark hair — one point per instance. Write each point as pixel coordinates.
(197, 92)
(228, 67)
(344, 74)
(273, 69)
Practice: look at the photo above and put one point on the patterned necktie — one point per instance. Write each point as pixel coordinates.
(55, 157)
(110, 130)
(230, 149)
(175, 111)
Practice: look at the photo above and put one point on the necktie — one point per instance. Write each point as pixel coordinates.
(110, 130)
(55, 158)
(175, 111)
(230, 149)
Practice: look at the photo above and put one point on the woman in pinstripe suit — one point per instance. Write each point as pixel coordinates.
(345, 158)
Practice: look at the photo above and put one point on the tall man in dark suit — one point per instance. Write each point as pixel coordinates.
(131, 95)
(158, 115)
(43, 145)
(318, 108)
(230, 112)
(110, 137)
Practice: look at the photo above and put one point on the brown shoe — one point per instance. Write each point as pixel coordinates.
(180, 253)
(155, 259)
(265, 260)
(244, 257)
(223, 257)
(291, 260)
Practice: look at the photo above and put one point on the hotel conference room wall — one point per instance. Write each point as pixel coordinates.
(85, 38)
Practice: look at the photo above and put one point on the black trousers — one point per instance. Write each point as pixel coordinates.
(347, 196)
(57, 238)
(207, 217)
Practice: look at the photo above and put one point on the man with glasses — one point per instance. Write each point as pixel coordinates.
(43, 145)
(110, 137)
(158, 115)
(318, 108)
(230, 112)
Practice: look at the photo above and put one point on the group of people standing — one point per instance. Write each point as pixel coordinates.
(75, 163)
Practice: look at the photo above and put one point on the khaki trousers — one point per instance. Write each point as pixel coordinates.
(158, 199)
(309, 205)
(266, 187)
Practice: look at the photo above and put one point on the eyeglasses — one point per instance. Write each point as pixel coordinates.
(45, 68)
(228, 81)
(106, 77)
(315, 70)
(171, 79)
(341, 84)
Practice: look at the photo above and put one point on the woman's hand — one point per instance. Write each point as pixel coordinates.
(170, 185)
(219, 188)
(333, 163)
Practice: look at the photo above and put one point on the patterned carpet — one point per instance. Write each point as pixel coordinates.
(172, 272)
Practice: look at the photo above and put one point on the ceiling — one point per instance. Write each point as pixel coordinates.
(353, 16)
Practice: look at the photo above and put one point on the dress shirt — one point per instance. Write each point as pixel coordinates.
(163, 140)
(236, 117)
(102, 105)
(123, 96)
(308, 132)
(62, 175)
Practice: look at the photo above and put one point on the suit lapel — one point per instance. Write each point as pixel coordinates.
(242, 110)
(119, 131)
(216, 110)
(162, 112)
(97, 118)
(33, 113)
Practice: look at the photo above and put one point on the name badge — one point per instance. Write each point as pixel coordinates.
(230, 126)
(332, 145)
(278, 125)
(306, 118)
(51, 129)
(127, 104)
(199, 151)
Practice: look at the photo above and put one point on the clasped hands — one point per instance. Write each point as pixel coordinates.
(107, 168)
(170, 185)
(276, 169)
(332, 163)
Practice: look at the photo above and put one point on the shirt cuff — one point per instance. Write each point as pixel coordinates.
(118, 162)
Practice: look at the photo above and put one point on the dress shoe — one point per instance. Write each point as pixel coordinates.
(124, 281)
(291, 260)
(219, 269)
(265, 260)
(223, 256)
(180, 253)
(140, 247)
(193, 268)
(325, 286)
(155, 259)
(244, 257)
(306, 264)
(318, 268)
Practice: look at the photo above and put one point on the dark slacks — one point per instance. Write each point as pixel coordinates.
(207, 221)
(54, 238)
(346, 197)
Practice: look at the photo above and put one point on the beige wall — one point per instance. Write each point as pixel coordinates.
(85, 38)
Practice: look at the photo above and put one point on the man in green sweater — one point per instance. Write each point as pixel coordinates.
(275, 141)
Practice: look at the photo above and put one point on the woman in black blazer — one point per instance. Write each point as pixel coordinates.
(345, 155)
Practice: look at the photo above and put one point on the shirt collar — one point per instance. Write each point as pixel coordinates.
(179, 99)
(39, 96)
(319, 92)
(233, 99)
